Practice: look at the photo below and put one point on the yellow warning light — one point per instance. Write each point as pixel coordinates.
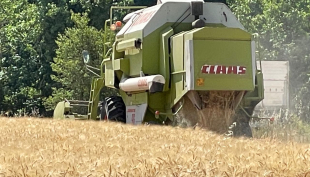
(113, 27)
(200, 82)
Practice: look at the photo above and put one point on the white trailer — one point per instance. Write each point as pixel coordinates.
(276, 84)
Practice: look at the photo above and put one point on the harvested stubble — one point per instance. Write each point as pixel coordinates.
(42, 147)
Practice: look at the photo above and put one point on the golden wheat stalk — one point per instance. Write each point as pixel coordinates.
(43, 147)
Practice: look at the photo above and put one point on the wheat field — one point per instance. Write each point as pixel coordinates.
(45, 147)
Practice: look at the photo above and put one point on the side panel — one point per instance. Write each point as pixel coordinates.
(220, 65)
(189, 60)
(170, 12)
(109, 74)
(151, 18)
(219, 13)
(135, 114)
(148, 20)
(139, 21)
(137, 105)
(164, 64)
(178, 65)
(218, 58)
(254, 67)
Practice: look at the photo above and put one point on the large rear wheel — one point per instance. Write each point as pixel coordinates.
(113, 109)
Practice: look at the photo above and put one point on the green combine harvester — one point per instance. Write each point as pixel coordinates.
(179, 62)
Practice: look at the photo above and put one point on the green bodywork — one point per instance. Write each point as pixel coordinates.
(164, 52)
(211, 45)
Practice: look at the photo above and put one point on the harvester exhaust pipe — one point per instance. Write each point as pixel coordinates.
(197, 10)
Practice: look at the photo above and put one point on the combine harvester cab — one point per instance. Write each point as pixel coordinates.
(182, 63)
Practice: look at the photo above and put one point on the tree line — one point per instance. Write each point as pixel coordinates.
(41, 43)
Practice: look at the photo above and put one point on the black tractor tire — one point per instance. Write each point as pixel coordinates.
(103, 113)
(242, 127)
(113, 109)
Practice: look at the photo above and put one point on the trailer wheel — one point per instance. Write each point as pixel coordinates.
(114, 109)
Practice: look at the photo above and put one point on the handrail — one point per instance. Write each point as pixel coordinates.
(105, 37)
(110, 22)
(256, 39)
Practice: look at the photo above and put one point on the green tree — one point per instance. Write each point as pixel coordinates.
(284, 30)
(18, 33)
(68, 64)
(87, 34)
(28, 33)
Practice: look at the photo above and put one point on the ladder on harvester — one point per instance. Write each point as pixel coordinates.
(93, 103)
(98, 82)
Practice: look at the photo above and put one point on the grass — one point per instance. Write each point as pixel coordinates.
(44, 147)
(285, 127)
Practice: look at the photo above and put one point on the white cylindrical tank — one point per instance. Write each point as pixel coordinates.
(154, 83)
